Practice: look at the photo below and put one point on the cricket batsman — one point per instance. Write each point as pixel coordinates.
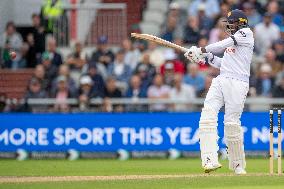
(230, 88)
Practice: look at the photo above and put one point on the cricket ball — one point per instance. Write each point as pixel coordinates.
(13, 55)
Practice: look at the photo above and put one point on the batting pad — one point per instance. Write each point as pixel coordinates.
(234, 139)
(208, 136)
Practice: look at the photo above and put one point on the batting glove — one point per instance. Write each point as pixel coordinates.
(195, 55)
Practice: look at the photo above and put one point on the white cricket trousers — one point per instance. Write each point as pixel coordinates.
(229, 92)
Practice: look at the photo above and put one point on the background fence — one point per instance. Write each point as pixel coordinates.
(252, 104)
(86, 22)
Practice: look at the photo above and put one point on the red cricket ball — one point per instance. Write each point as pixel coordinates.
(13, 55)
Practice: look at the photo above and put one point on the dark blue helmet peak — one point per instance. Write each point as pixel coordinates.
(237, 16)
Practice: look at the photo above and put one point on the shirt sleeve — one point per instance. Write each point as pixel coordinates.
(214, 61)
(220, 46)
(243, 37)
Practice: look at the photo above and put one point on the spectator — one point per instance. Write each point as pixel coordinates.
(98, 82)
(56, 58)
(171, 58)
(225, 9)
(270, 58)
(265, 81)
(39, 35)
(61, 95)
(257, 5)
(211, 7)
(145, 70)
(119, 70)
(35, 91)
(169, 73)
(176, 11)
(139, 44)
(85, 92)
(171, 66)
(279, 50)
(171, 30)
(217, 33)
(205, 22)
(51, 11)
(203, 92)
(191, 30)
(265, 34)
(31, 52)
(203, 41)
(194, 78)
(102, 55)
(181, 91)
(11, 40)
(64, 71)
(156, 55)
(158, 91)
(279, 76)
(136, 91)
(76, 59)
(233, 4)
(101, 69)
(111, 91)
(132, 54)
(180, 54)
(24, 54)
(39, 74)
(50, 69)
(253, 16)
(273, 9)
(278, 90)
(77, 63)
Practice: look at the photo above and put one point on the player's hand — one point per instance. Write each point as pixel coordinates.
(195, 55)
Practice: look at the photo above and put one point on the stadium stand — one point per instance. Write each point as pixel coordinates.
(14, 83)
(110, 56)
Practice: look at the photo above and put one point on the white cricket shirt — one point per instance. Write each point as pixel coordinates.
(237, 56)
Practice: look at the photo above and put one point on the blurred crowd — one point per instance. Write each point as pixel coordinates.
(144, 70)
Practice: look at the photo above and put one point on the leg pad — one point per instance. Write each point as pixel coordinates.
(234, 139)
(208, 136)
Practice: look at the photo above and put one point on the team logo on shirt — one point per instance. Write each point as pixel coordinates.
(243, 33)
(230, 50)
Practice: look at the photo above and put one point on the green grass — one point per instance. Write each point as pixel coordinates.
(115, 167)
(137, 167)
(232, 183)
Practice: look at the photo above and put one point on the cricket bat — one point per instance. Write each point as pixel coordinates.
(159, 41)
